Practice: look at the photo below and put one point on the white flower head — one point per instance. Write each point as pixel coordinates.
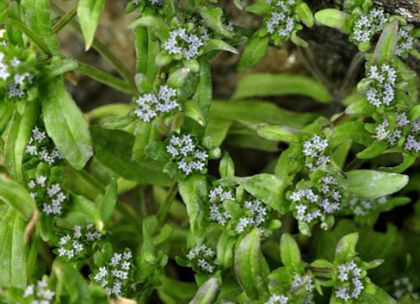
(383, 81)
(203, 257)
(277, 299)
(39, 293)
(351, 285)
(281, 22)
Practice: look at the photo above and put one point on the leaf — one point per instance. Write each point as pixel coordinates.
(373, 184)
(265, 84)
(226, 167)
(37, 18)
(218, 45)
(12, 251)
(255, 49)
(290, 253)
(225, 248)
(346, 248)
(305, 14)
(114, 150)
(142, 137)
(83, 212)
(65, 124)
(266, 187)
(374, 150)
(108, 202)
(89, 12)
(207, 292)
(258, 111)
(387, 42)
(17, 197)
(276, 133)
(203, 94)
(250, 267)
(20, 131)
(159, 26)
(376, 295)
(333, 18)
(70, 279)
(217, 129)
(212, 17)
(193, 191)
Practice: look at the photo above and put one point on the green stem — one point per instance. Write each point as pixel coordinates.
(64, 20)
(172, 192)
(24, 29)
(106, 79)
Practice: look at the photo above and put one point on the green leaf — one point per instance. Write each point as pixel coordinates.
(17, 197)
(266, 187)
(89, 12)
(251, 269)
(194, 191)
(70, 279)
(346, 248)
(305, 14)
(374, 150)
(160, 27)
(225, 248)
(276, 133)
(264, 85)
(290, 253)
(113, 149)
(333, 18)
(20, 131)
(258, 111)
(373, 184)
(203, 94)
(226, 167)
(13, 251)
(108, 202)
(376, 295)
(218, 45)
(65, 124)
(143, 136)
(255, 49)
(387, 42)
(83, 212)
(37, 18)
(259, 9)
(212, 17)
(207, 292)
(217, 129)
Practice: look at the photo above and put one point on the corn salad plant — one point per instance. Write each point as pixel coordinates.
(145, 202)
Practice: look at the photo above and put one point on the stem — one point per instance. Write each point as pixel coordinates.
(106, 78)
(64, 20)
(351, 74)
(172, 192)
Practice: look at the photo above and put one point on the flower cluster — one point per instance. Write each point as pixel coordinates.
(310, 204)
(350, 283)
(41, 147)
(255, 214)
(403, 286)
(277, 299)
(48, 195)
(39, 293)
(382, 80)
(186, 154)
(203, 258)
(315, 151)
(186, 42)
(368, 24)
(307, 282)
(362, 207)
(113, 277)
(152, 2)
(402, 128)
(217, 211)
(74, 245)
(16, 70)
(150, 105)
(280, 21)
(406, 42)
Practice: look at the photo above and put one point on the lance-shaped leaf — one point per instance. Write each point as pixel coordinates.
(212, 17)
(265, 84)
(20, 131)
(108, 202)
(89, 12)
(255, 49)
(332, 18)
(207, 292)
(65, 124)
(251, 269)
(204, 91)
(37, 17)
(194, 191)
(387, 41)
(17, 197)
(373, 184)
(12, 250)
(346, 248)
(290, 253)
(266, 187)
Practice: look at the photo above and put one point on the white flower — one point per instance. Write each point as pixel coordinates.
(314, 149)
(203, 257)
(39, 293)
(368, 25)
(405, 42)
(277, 299)
(186, 154)
(349, 275)
(384, 79)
